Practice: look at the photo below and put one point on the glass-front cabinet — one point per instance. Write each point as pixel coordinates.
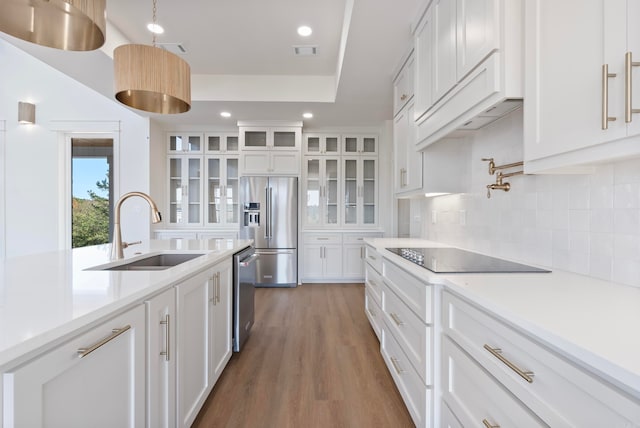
(185, 142)
(321, 144)
(322, 188)
(185, 190)
(221, 143)
(359, 144)
(272, 138)
(221, 191)
(360, 183)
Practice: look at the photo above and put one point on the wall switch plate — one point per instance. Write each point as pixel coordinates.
(463, 217)
(434, 217)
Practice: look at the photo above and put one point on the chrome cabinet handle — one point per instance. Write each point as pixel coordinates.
(83, 352)
(605, 96)
(396, 319)
(497, 352)
(628, 80)
(488, 424)
(165, 322)
(396, 365)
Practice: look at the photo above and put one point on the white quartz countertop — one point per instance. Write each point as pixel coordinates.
(592, 322)
(45, 297)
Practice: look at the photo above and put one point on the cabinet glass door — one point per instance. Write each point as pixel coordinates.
(331, 191)
(231, 190)
(214, 143)
(368, 191)
(286, 139)
(350, 191)
(369, 145)
(214, 190)
(350, 145)
(175, 190)
(312, 185)
(232, 143)
(256, 138)
(194, 190)
(331, 145)
(185, 143)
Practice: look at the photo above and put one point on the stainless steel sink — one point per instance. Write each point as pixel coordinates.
(155, 262)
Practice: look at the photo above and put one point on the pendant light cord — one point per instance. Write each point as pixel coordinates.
(155, 9)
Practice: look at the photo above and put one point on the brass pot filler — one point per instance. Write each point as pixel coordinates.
(499, 184)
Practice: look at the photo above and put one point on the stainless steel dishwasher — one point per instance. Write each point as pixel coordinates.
(244, 280)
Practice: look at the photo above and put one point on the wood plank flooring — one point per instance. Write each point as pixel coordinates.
(312, 360)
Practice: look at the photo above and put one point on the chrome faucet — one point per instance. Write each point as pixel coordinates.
(117, 246)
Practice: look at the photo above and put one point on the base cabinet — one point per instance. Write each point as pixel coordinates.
(221, 330)
(101, 372)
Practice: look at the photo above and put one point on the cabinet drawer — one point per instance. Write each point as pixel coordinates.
(560, 393)
(411, 333)
(374, 313)
(416, 396)
(373, 258)
(415, 293)
(358, 238)
(328, 238)
(373, 283)
(475, 397)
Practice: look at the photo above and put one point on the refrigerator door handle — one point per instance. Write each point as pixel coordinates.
(270, 207)
(267, 213)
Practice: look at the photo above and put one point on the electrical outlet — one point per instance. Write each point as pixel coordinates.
(463, 217)
(434, 217)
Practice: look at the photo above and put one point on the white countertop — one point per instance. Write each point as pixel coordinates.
(590, 321)
(45, 297)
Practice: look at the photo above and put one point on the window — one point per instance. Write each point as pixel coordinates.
(91, 189)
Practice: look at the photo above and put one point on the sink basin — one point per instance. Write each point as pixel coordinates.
(155, 262)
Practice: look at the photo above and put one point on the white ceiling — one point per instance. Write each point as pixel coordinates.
(242, 61)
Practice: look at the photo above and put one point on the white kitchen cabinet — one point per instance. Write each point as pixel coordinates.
(221, 323)
(161, 360)
(322, 256)
(360, 187)
(565, 123)
(408, 161)
(374, 314)
(220, 143)
(261, 136)
(204, 337)
(354, 253)
(468, 64)
(185, 142)
(557, 391)
(221, 190)
(95, 379)
(321, 189)
(270, 163)
(354, 144)
(185, 190)
(403, 84)
(321, 144)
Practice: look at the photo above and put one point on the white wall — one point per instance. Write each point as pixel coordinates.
(588, 224)
(34, 165)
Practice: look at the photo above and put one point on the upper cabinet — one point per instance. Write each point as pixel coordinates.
(403, 85)
(359, 144)
(360, 187)
(321, 144)
(260, 137)
(468, 59)
(185, 142)
(580, 99)
(221, 143)
(270, 148)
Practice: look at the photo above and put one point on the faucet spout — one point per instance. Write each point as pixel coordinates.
(117, 246)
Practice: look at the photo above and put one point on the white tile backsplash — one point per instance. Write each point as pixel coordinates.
(588, 224)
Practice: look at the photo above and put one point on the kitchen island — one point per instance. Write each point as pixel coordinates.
(565, 346)
(48, 301)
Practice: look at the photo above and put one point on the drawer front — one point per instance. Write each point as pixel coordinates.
(373, 283)
(475, 397)
(329, 238)
(416, 396)
(410, 332)
(447, 419)
(358, 238)
(373, 258)
(374, 314)
(415, 293)
(560, 393)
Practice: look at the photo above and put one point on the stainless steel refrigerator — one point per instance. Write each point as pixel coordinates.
(270, 217)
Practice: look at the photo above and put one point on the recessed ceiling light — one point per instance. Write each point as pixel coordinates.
(225, 114)
(155, 28)
(305, 31)
(307, 115)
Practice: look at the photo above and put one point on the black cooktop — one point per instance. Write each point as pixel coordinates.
(454, 260)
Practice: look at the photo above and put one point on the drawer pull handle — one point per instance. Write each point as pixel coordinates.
(83, 352)
(396, 365)
(372, 258)
(396, 319)
(372, 313)
(166, 323)
(488, 424)
(497, 352)
(375, 284)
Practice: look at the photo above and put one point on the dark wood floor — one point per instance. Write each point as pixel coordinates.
(312, 360)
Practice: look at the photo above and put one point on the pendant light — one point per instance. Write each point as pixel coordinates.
(152, 79)
(72, 25)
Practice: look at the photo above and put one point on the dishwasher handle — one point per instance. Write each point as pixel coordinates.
(248, 260)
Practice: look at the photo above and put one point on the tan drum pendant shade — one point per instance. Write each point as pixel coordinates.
(151, 79)
(72, 25)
